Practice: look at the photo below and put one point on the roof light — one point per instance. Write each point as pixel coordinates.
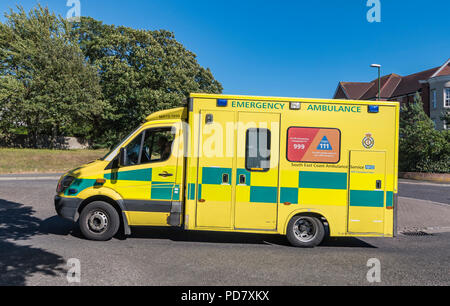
(374, 109)
(222, 103)
(296, 106)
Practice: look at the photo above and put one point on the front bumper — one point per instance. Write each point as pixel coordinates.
(67, 208)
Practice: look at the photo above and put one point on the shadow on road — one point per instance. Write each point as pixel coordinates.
(238, 238)
(17, 262)
(206, 237)
(347, 242)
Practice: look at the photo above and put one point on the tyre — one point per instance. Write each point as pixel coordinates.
(99, 221)
(305, 231)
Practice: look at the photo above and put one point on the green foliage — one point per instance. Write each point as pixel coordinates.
(88, 79)
(46, 86)
(422, 147)
(141, 72)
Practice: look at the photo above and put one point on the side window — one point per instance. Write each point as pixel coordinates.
(133, 150)
(152, 145)
(157, 145)
(434, 98)
(447, 97)
(257, 153)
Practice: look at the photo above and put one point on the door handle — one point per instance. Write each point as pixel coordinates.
(166, 174)
(242, 179)
(379, 185)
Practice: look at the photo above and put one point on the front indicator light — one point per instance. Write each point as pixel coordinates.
(100, 182)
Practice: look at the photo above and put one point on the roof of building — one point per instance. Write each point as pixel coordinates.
(392, 85)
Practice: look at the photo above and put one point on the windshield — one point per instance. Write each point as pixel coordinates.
(104, 157)
(110, 156)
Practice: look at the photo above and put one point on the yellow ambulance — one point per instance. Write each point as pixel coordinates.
(304, 168)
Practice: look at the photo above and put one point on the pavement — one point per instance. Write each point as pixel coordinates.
(418, 215)
(35, 247)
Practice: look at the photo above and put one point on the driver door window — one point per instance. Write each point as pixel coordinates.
(157, 146)
(151, 146)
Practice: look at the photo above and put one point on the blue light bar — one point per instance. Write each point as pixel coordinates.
(222, 103)
(374, 109)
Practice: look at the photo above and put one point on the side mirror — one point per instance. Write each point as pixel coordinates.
(122, 157)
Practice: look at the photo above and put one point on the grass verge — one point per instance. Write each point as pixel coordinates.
(17, 161)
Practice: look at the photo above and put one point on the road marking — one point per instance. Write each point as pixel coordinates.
(427, 202)
(37, 178)
(423, 183)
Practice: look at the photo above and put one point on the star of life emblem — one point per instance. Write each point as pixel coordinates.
(368, 141)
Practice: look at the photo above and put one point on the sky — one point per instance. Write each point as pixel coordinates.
(286, 48)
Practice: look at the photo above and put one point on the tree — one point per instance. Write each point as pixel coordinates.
(46, 85)
(422, 147)
(141, 72)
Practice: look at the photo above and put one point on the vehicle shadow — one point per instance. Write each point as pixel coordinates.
(346, 242)
(18, 262)
(180, 235)
(57, 226)
(175, 234)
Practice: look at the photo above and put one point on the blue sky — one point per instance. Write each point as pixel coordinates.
(287, 48)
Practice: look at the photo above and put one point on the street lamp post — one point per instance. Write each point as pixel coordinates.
(379, 79)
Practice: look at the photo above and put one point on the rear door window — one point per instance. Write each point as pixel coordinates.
(258, 147)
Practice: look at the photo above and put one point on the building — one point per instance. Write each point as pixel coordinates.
(433, 85)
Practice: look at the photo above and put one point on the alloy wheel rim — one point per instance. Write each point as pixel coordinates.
(305, 230)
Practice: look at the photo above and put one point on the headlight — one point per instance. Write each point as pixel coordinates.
(64, 184)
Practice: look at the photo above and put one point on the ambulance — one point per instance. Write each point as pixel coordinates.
(303, 168)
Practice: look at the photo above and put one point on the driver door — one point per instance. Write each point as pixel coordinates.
(147, 180)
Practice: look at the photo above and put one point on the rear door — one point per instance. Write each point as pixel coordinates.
(367, 192)
(257, 171)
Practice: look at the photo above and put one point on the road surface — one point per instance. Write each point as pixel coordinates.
(35, 247)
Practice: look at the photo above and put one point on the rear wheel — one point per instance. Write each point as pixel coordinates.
(305, 231)
(99, 221)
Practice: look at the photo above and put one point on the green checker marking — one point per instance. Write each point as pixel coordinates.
(323, 180)
(289, 195)
(143, 175)
(213, 176)
(363, 198)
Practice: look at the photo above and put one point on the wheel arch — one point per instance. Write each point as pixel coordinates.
(117, 204)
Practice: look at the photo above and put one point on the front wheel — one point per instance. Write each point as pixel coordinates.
(305, 231)
(99, 221)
